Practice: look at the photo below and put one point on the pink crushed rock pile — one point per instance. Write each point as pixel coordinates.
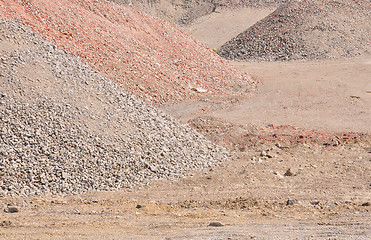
(145, 55)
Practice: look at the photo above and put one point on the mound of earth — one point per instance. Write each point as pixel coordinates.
(178, 11)
(309, 29)
(145, 55)
(186, 11)
(64, 128)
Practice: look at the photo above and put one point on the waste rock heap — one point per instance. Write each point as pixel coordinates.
(66, 129)
(305, 30)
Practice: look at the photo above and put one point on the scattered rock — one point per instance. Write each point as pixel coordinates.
(75, 211)
(215, 224)
(94, 200)
(5, 223)
(314, 202)
(290, 202)
(366, 204)
(11, 209)
(263, 154)
(288, 173)
(278, 174)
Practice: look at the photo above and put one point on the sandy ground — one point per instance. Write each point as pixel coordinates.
(324, 95)
(222, 25)
(329, 187)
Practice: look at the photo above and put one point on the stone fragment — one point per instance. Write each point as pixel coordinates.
(288, 173)
(215, 224)
(11, 209)
(290, 202)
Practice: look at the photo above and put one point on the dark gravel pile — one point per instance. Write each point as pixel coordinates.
(308, 29)
(66, 129)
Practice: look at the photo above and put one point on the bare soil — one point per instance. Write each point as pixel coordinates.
(309, 117)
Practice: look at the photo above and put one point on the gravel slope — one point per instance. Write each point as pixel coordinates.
(184, 12)
(64, 128)
(309, 29)
(145, 55)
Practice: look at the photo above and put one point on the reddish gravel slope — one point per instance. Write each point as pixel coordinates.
(146, 55)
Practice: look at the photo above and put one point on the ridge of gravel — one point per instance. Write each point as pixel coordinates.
(147, 56)
(66, 129)
(184, 12)
(305, 30)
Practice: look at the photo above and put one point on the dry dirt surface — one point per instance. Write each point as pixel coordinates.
(309, 29)
(218, 24)
(300, 168)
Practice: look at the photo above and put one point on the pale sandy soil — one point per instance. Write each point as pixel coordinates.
(222, 25)
(324, 95)
(248, 193)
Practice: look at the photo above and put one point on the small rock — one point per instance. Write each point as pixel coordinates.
(64, 175)
(314, 202)
(12, 209)
(278, 174)
(75, 211)
(263, 153)
(5, 223)
(94, 200)
(215, 224)
(290, 202)
(288, 173)
(139, 206)
(366, 204)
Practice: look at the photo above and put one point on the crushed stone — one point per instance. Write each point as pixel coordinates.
(66, 129)
(305, 30)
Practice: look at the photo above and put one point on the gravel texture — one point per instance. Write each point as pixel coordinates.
(308, 29)
(183, 12)
(145, 55)
(66, 129)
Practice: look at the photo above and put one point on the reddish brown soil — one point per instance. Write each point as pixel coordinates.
(146, 55)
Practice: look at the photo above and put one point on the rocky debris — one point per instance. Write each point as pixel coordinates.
(290, 202)
(308, 29)
(176, 11)
(66, 129)
(241, 137)
(315, 202)
(288, 173)
(278, 174)
(11, 209)
(6, 223)
(215, 224)
(186, 11)
(145, 55)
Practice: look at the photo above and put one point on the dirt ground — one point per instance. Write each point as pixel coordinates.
(300, 169)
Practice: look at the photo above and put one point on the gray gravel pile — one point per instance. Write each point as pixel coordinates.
(184, 12)
(65, 129)
(307, 29)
